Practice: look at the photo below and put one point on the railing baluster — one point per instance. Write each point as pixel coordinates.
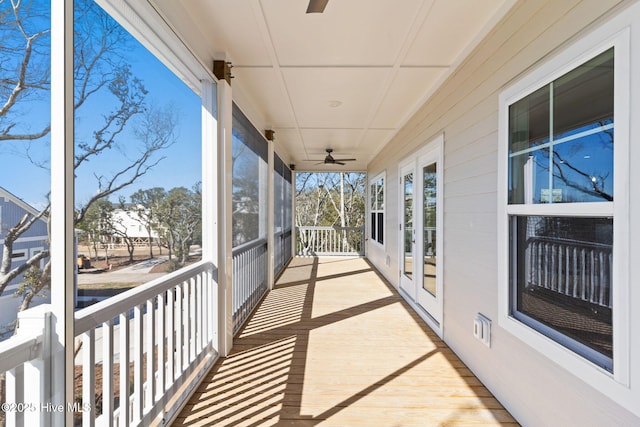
(150, 338)
(88, 377)
(186, 338)
(160, 343)
(171, 331)
(178, 327)
(200, 326)
(193, 335)
(602, 283)
(592, 276)
(14, 386)
(124, 369)
(138, 357)
(575, 272)
(107, 372)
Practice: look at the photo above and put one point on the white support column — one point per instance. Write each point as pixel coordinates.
(225, 230)
(210, 212)
(294, 235)
(270, 215)
(62, 212)
(209, 172)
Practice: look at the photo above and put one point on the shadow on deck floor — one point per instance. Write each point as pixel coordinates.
(335, 345)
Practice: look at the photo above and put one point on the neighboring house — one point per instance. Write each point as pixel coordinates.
(128, 222)
(32, 241)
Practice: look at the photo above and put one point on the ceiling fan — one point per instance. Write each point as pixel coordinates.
(329, 160)
(317, 6)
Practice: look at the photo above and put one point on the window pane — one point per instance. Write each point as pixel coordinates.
(246, 192)
(528, 129)
(576, 163)
(373, 196)
(380, 197)
(249, 181)
(407, 225)
(380, 224)
(529, 177)
(429, 239)
(583, 169)
(373, 226)
(529, 121)
(561, 274)
(584, 97)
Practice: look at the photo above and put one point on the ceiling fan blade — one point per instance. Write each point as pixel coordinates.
(339, 163)
(316, 6)
(345, 160)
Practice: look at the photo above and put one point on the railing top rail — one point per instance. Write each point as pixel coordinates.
(20, 349)
(570, 242)
(245, 247)
(96, 314)
(330, 227)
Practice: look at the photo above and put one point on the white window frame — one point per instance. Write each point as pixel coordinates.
(22, 257)
(35, 251)
(615, 384)
(374, 181)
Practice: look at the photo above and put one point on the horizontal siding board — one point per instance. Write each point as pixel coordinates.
(483, 183)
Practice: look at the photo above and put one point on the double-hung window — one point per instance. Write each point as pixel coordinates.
(376, 203)
(563, 199)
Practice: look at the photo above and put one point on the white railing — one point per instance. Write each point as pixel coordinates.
(281, 250)
(250, 279)
(313, 241)
(22, 363)
(148, 346)
(575, 269)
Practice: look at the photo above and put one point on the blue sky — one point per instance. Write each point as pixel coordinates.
(182, 166)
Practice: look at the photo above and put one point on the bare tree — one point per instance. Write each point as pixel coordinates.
(24, 71)
(329, 199)
(98, 69)
(181, 217)
(147, 204)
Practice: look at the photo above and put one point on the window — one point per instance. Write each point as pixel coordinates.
(562, 147)
(19, 255)
(376, 198)
(249, 178)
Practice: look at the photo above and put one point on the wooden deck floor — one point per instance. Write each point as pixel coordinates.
(333, 344)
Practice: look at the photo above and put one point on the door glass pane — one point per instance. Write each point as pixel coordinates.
(429, 239)
(408, 225)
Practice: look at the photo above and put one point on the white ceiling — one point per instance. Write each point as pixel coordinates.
(345, 79)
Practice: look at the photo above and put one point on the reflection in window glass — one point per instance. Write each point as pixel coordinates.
(562, 279)
(561, 138)
(407, 225)
(430, 207)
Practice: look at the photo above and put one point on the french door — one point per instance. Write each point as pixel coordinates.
(421, 230)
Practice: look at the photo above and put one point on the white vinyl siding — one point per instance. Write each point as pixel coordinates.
(533, 386)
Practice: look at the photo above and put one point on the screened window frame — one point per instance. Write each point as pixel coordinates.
(245, 133)
(376, 214)
(554, 347)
